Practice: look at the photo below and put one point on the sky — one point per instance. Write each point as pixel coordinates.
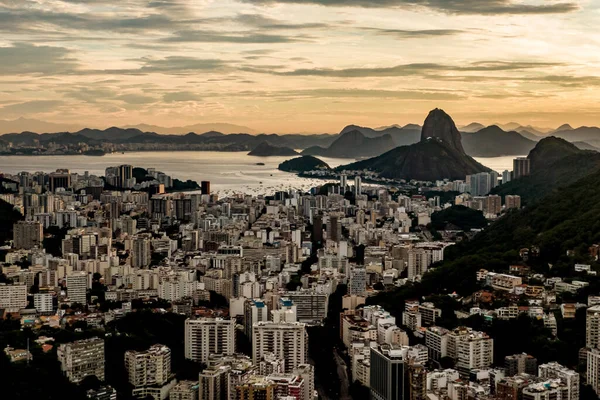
(291, 66)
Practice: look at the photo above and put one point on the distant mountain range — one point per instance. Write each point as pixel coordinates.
(352, 142)
(493, 142)
(438, 155)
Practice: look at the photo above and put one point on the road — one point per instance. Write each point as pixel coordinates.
(342, 372)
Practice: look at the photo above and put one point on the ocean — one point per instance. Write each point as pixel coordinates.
(228, 172)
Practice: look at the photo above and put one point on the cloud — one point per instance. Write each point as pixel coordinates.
(260, 21)
(199, 36)
(408, 69)
(490, 7)
(180, 97)
(179, 64)
(24, 58)
(414, 34)
(365, 93)
(31, 107)
(134, 98)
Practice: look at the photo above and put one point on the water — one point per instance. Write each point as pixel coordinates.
(228, 172)
(498, 164)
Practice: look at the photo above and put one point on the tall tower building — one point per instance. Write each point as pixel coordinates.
(254, 311)
(334, 228)
(287, 341)
(124, 176)
(141, 252)
(521, 167)
(388, 379)
(27, 235)
(207, 336)
(343, 183)
(357, 186)
(77, 284)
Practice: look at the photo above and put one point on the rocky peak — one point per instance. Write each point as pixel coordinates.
(440, 125)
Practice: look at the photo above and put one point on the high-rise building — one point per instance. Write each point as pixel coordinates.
(205, 187)
(357, 185)
(593, 369)
(213, 383)
(150, 367)
(592, 330)
(27, 235)
(334, 227)
(287, 341)
(506, 176)
(521, 167)
(417, 381)
(512, 201)
(343, 183)
(358, 281)
(389, 373)
(43, 303)
(125, 176)
(480, 184)
(77, 284)
(13, 297)
(59, 179)
(141, 252)
(254, 311)
(207, 336)
(567, 376)
(317, 231)
(519, 364)
(82, 358)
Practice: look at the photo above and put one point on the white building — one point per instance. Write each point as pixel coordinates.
(43, 303)
(288, 341)
(207, 336)
(77, 284)
(13, 297)
(150, 367)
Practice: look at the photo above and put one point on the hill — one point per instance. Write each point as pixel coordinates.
(439, 155)
(459, 217)
(430, 160)
(585, 146)
(495, 142)
(303, 164)
(179, 130)
(565, 220)
(555, 164)
(353, 144)
(264, 149)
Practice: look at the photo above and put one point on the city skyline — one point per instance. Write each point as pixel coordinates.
(290, 66)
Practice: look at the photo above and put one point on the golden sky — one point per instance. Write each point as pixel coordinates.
(300, 65)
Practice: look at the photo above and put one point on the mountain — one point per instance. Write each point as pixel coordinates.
(555, 163)
(549, 150)
(511, 126)
(402, 136)
(180, 130)
(303, 164)
(264, 149)
(353, 144)
(472, 127)
(564, 127)
(494, 142)
(590, 134)
(439, 125)
(528, 135)
(439, 155)
(430, 160)
(112, 133)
